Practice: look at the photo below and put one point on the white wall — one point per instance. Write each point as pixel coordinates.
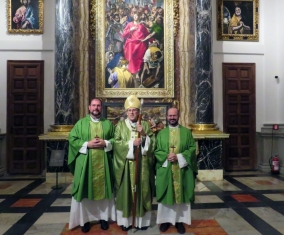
(280, 58)
(29, 47)
(266, 54)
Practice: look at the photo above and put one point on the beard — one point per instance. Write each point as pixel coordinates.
(96, 113)
(173, 122)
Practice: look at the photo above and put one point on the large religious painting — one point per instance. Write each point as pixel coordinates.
(25, 16)
(237, 20)
(134, 47)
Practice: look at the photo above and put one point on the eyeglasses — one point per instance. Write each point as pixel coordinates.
(132, 110)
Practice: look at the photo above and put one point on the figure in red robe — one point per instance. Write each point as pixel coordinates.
(134, 47)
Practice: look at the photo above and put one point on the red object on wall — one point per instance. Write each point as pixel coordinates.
(275, 127)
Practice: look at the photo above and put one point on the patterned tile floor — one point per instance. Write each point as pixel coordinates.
(241, 204)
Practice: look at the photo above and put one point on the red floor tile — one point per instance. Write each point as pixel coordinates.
(244, 198)
(4, 186)
(26, 202)
(204, 223)
(263, 182)
(200, 227)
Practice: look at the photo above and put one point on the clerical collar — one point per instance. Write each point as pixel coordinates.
(174, 126)
(133, 124)
(95, 119)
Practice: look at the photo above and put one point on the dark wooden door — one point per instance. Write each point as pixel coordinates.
(239, 116)
(24, 116)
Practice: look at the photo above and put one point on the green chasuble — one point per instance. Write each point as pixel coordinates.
(175, 185)
(124, 170)
(93, 172)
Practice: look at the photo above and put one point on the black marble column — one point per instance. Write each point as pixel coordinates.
(64, 63)
(65, 76)
(210, 151)
(203, 63)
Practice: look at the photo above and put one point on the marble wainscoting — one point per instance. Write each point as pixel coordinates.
(209, 154)
(2, 155)
(270, 143)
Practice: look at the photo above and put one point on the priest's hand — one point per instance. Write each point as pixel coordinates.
(172, 157)
(96, 143)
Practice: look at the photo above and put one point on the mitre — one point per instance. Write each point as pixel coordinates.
(132, 102)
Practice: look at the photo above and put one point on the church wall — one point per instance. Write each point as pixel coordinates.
(266, 54)
(280, 59)
(29, 47)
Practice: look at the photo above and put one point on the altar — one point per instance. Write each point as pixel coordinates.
(87, 64)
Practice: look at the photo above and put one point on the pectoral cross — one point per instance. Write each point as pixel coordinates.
(96, 137)
(173, 148)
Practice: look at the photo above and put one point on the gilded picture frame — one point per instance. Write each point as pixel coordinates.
(129, 71)
(238, 20)
(25, 16)
(114, 111)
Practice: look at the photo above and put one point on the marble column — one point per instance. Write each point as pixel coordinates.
(66, 79)
(64, 63)
(203, 63)
(210, 150)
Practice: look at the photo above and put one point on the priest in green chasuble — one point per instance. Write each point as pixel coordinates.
(176, 170)
(126, 142)
(90, 161)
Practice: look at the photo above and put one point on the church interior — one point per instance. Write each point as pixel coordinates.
(227, 86)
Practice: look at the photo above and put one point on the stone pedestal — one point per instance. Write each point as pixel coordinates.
(209, 154)
(270, 143)
(57, 139)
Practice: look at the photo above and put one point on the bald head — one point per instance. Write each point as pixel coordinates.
(173, 116)
(96, 99)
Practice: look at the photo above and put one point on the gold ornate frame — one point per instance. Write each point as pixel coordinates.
(13, 5)
(225, 12)
(97, 18)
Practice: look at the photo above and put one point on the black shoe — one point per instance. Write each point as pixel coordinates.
(180, 228)
(142, 228)
(125, 229)
(86, 228)
(104, 225)
(164, 227)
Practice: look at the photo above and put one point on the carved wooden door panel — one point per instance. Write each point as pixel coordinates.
(24, 116)
(239, 116)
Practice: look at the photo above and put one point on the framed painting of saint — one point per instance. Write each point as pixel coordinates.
(237, 20)
(134, 47)
(25, 16)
